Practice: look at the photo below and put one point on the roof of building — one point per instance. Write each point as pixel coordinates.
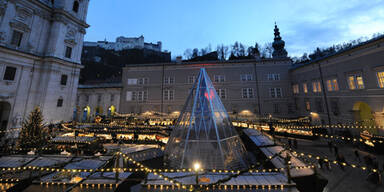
(373, 40)
(100, 86)
(240, 61)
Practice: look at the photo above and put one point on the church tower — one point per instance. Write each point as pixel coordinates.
(278, 45)
(40, 59)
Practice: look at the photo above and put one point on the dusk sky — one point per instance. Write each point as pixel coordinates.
(182, 24)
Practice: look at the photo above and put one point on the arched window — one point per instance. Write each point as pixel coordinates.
(75, 7)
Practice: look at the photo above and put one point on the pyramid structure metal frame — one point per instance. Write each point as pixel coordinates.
(204, 133)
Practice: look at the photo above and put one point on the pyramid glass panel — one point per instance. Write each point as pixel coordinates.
(204, 133)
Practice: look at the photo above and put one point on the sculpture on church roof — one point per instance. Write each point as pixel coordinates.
(278, 45)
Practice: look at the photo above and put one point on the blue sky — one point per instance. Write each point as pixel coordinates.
(182, 24)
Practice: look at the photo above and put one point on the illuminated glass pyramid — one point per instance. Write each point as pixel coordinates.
(204, 132)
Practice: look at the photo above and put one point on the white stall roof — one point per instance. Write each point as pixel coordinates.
(73, 139)
(85, 164)
(14, 161)
(248, 179)
(259, 139)
(279, 161)
(146, 154)
(49, 161)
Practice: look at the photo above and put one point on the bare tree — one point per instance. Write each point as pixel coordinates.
(188, 54)
(222, 52)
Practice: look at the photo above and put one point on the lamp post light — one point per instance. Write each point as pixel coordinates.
(196, 167)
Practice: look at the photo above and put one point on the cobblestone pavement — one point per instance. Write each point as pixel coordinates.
(349, 179)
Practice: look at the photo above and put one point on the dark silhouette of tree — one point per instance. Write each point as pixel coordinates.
(222, 52)
(188, 54)
(195, 53)
(33, 133)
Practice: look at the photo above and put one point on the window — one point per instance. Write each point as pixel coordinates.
(273, 77)
(63, 80)
(142, 95)
(380, 79)
(168, 95)
(332, 85)
(246, 77)
(169, 80)
(10, 73)
(307, 104)
(129, 96)
(316, 86)
(295, 88)
(355, 81)
(191, 79)
(219, 78)
(247, 93)
(305, 88)
(112, 97)
(16, 38)
(143, 81)
(275, 92)
(68, 52)
(87, 98)
(335, 106)
(221, 93)
(276, 108)
(75, 7)
(60, 102)
(99, 98)
(319, 105)
(132, 82)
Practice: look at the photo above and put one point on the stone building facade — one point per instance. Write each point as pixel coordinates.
(246, 87)
(101, 99)
(349, 86)
(40, 50)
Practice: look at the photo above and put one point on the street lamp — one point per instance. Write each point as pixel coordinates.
(196, 167)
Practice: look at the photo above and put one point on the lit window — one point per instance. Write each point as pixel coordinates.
(332, 85)
(247, 93)
(16, 38)
(355, 81)
(316, 86)
(295, 88)
(132, 81)
(305, 88)
(380, 79)
(219, 78)
(10, 73)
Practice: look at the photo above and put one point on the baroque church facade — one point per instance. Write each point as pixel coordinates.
(40, 52)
